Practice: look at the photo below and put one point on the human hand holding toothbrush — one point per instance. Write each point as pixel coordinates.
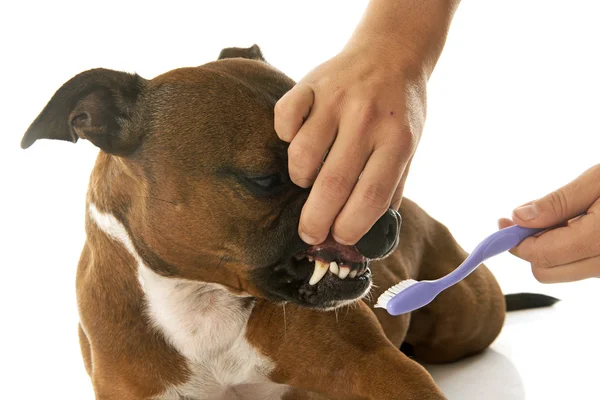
(571, 251)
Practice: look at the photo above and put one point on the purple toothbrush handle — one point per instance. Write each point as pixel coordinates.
(499, 242)
(505, 239)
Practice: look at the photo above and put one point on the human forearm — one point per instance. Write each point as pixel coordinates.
(413, 29)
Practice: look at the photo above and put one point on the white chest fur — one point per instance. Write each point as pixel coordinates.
(206, 324)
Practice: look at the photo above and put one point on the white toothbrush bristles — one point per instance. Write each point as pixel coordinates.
(386, 296)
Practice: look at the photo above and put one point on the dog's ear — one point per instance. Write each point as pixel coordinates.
(252, 53)
(97, 105)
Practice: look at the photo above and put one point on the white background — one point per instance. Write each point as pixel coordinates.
(513, 114)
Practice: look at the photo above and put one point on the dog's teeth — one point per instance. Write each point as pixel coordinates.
(333, 267)
(319, 272)
(311, 259)
(344, 271)
(353, 273)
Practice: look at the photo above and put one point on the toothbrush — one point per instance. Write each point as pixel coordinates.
(410, 295)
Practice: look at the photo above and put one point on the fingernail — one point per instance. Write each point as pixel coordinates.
(307, 239)
(527, 212)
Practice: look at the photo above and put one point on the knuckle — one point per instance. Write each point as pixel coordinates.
(301, 155)
(367, 111)
(405, 138)
(335, 186)
(281, 108)
(375, 196)
(338, 93)
(409, 139)
(284, 112)
(285, 131)
(364, 114)
(400, 140)
(291, 111)
(558, 203)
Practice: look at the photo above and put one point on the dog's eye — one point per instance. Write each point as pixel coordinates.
(266, 183)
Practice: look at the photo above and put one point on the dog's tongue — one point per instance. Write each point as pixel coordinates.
(330, 250)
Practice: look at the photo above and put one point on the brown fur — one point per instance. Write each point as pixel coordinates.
(196, 126)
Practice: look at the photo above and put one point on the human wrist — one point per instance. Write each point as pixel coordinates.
(391, 56)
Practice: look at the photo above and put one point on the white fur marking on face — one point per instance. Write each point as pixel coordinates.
(206, 324)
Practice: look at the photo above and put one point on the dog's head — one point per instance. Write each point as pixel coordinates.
(192, 166)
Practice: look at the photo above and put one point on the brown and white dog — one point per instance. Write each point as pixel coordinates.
(193, 282)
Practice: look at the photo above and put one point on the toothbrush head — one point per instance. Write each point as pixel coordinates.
(407, 296)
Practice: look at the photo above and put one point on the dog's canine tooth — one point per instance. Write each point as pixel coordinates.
(333, 267)
(319, 272)
(311, 259)
(344, 271)
(353, 273)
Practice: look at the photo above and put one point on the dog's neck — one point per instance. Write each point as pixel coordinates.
(189, 313)
(203, 321)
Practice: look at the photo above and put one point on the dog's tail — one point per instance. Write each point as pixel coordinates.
(526, 301)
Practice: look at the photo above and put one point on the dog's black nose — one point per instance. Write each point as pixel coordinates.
(383, 236)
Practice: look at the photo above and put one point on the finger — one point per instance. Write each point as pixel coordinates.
(562, 204)
(397, 197)
(292, 110)
(373, 193)
(311, 144)
(578, 240)
(336, 180)
(575, 271)
(504, 223)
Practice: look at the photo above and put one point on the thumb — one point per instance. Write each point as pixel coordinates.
(563, 204)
